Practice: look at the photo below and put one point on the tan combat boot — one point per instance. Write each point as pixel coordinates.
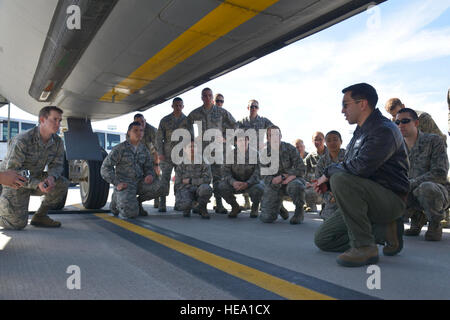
(284, 213)
(41, 219)
(254, 210)
(203, 211)
(247, 202)
(156, 203)
(445, 223)
(187, 213)
(142, 212)
(219, 208)
(235, 209)
(418, 220)
(358, 257)
(298, 216)
(434, 232)
(394, 238)
(313, 208)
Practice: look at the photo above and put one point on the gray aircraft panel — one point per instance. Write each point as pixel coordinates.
(134, 32)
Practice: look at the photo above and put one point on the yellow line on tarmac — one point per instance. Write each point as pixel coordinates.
(220, 21)
(261, 279)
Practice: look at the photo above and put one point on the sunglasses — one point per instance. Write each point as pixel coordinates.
(254, 107)
(220, 101)
(404, 121)
(347, 103)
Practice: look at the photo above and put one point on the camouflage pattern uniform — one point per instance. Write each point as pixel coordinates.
(289, 163)
(215, 118)
(129, 164)
(427, 124)
(312, 198)
(257, 123)
(197, 190)
(28, 152)
(149, 139)
(429, 186)
(164, 145)
(329, 203)
(446, 222)
(249, 173)
(448, 102)
(304, 158)
(311, 163)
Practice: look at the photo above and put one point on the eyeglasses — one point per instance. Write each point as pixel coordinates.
(220, 101)
(345, 104)
(404, 121)
(254, 107)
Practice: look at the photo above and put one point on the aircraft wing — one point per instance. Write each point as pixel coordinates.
(126, 55)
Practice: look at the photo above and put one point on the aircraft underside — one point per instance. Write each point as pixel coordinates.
(100, 59)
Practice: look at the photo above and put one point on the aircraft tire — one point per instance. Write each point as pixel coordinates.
(94, 192)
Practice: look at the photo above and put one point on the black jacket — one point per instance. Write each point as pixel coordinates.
(377, 151)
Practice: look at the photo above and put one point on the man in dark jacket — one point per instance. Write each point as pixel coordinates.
(370, 185)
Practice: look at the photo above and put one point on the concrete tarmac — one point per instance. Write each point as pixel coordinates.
(167, 256)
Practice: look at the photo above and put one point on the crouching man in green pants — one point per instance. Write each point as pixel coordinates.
(370, 186)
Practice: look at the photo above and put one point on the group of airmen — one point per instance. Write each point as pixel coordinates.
(140, 169)
(196, 183)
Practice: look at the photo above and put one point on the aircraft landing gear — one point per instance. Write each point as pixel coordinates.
(93, 189)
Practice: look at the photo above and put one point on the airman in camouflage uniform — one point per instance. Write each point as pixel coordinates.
(34, 150)
(329, 203)
(312, 198)
(448, 102)
(129, 168)
(300, 146)
(192, 184)
(256, 122)
(213, 117)
(164, 144)
(219, 99)
(240, 178)
(446, 221)
(426, 122)
(288, 181)
(149, 141)
(428, 197)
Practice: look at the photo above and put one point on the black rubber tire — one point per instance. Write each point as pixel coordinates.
(94, 192)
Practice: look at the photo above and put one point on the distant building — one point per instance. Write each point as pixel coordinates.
(106, 138)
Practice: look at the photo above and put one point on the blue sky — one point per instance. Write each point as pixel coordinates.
(400, 47)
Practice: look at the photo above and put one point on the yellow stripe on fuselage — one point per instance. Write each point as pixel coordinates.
(216, 24)
(264, 280)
